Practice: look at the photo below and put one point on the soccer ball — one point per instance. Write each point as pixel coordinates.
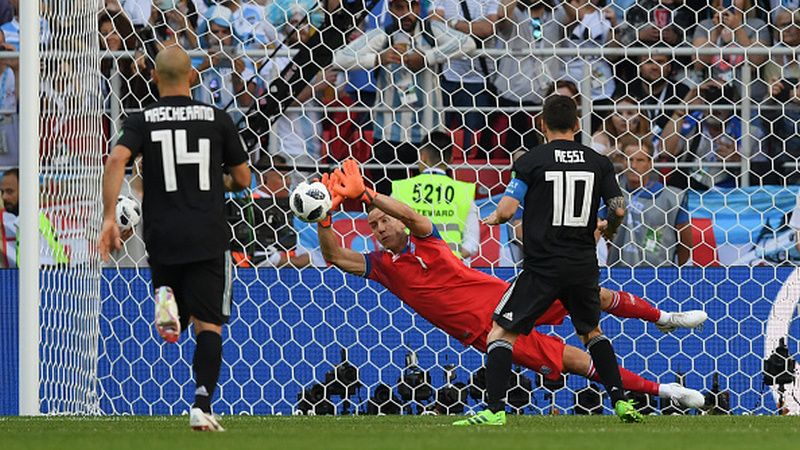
(128, 212)
(310, 202)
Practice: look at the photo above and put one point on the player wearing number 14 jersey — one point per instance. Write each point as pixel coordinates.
(184, 145)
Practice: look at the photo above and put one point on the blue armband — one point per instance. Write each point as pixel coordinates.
(516, 190)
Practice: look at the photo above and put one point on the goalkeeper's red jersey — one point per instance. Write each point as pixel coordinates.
(429, 278)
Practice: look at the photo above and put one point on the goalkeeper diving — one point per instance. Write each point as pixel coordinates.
(419, 268)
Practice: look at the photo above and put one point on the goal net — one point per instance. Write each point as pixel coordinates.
(71, 157)
(696, 105)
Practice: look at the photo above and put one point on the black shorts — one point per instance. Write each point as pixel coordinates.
(531, 295)
(202, 289)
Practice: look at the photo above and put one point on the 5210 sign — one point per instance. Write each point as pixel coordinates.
(433, 194)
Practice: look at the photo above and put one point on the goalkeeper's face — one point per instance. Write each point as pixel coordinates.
(390, 232)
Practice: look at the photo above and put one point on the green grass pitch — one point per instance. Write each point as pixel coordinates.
(402, 432)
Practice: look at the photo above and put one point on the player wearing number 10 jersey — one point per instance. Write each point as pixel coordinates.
(562, 183)
(184, 145)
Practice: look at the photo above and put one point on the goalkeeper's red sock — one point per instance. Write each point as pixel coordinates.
(625, 304)
(630, 381)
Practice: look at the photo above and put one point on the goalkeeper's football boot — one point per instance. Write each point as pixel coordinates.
(168, 323)
(202, 421)
(683, 396)
(483, 418)
(688, 319)
(626, 411)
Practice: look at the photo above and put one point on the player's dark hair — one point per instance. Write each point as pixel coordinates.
(438, 148)
(562, 84)
(13, 171)
(560, 113)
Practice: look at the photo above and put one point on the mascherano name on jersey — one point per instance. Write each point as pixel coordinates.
(179, 114)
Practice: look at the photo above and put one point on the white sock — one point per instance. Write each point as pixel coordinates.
(663, 319)
(665, 390)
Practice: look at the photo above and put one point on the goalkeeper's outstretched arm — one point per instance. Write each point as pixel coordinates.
(343, 258)
(418, 224)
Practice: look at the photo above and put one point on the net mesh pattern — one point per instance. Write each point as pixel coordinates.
(695, 104)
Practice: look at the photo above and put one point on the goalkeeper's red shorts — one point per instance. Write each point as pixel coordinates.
(537, 351)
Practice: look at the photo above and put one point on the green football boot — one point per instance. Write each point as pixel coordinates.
(626, 411)
(484, 417)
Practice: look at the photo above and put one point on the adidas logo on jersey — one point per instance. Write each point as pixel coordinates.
(508, 316)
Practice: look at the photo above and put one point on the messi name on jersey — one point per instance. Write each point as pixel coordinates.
(179, 113)
(569, 156)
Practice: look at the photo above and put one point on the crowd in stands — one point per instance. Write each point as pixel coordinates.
(479, 70)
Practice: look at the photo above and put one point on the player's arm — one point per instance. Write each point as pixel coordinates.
(113, 175)
(508, 205)
(416, 223)
(345, 259)
(234, 156)
(238, 179)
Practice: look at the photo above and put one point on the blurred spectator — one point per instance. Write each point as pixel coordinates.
(274, 180)
(583, 25)
(521, 81)
(406, 80)
(51, 252)
(6, 11)
(251, 26)
(783, 74)
(175, 22)
(714, 136)
(654, 22)
(9, 123)
(564, 87)
(11, 29)
(223, 72)
(295, 135)
(733, 25)
(656, 90)
(360, 87)
(9, 192)
(626, 119)
(777, 5)
(138, 11)
(656, 229)
(133, 87)
(466, 80)
(450, 204)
